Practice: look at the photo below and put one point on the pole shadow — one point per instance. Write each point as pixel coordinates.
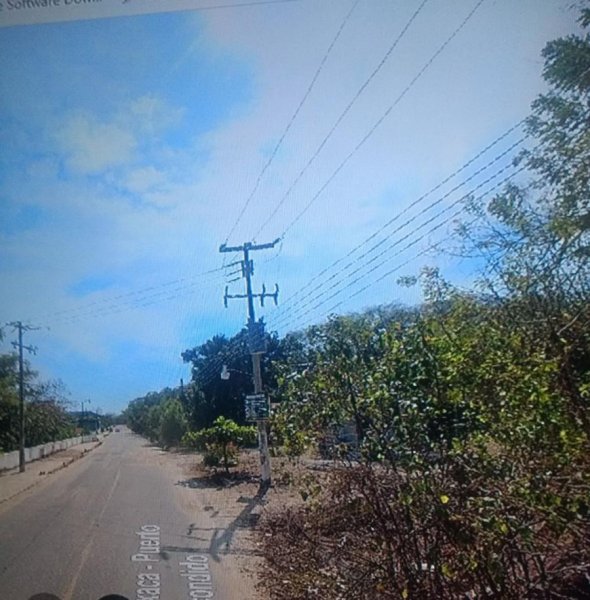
(220, 543)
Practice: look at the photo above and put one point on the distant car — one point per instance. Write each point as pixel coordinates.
(117, 429)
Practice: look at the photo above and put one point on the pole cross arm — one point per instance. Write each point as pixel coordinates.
(232, 264)
(29, 349)
(16, 325)
(226, 248)
(228, 296)
(248, 246)
(265, 294)
(262, 246)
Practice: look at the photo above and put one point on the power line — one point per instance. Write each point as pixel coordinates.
(299, 314)
(135, 304)
(409, 245)
(425, 250)
(406, 224)
(379, 121)
(214, 368)
(292, 119)
(141, 291)
(372, 236)
(398, 241)
(397, 216)
(126, 298)
(341, 117)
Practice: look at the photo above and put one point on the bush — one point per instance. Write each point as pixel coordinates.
(214, 456)
(472, 527)
(221, 442)
(287, 439)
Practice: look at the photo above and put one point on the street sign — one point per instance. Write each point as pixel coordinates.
(256, 407)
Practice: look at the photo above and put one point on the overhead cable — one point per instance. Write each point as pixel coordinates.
(291, 120)
(296, 299)
(360, 270)
(376, 125)
(340, 118)
(129, 301)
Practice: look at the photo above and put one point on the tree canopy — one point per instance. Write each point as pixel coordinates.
(46, 418)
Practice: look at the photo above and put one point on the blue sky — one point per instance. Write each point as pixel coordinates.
(130, 146)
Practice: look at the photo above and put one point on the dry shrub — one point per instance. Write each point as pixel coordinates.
(437, 532)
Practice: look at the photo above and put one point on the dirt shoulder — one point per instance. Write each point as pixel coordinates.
(235, 505)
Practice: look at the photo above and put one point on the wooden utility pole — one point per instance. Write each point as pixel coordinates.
(18, 326)
(255, 342)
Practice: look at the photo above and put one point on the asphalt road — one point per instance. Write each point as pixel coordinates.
(116, 522)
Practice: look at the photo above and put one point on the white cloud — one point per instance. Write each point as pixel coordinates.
(151, 114)
(158, 210)
(91, 146)
(144, 179)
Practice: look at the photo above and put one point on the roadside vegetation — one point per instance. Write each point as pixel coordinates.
(221, 442)
(470, 477)
(459, 429)
(48, 413)
(46, 418)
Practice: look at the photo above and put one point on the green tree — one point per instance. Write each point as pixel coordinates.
(143, 415)
(46, 418)
(535, 239)
(173, 423)
(211, 396)
(8, 402)
(331, 388)
(477, 408)
(222, 441)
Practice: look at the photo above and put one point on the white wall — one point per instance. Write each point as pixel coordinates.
(10, 459)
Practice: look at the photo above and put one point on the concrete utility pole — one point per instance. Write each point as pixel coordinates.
(18, 326)
(255, 342)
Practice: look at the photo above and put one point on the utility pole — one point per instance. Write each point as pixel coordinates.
(83, 419)
(256, 343)
(18, 326)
